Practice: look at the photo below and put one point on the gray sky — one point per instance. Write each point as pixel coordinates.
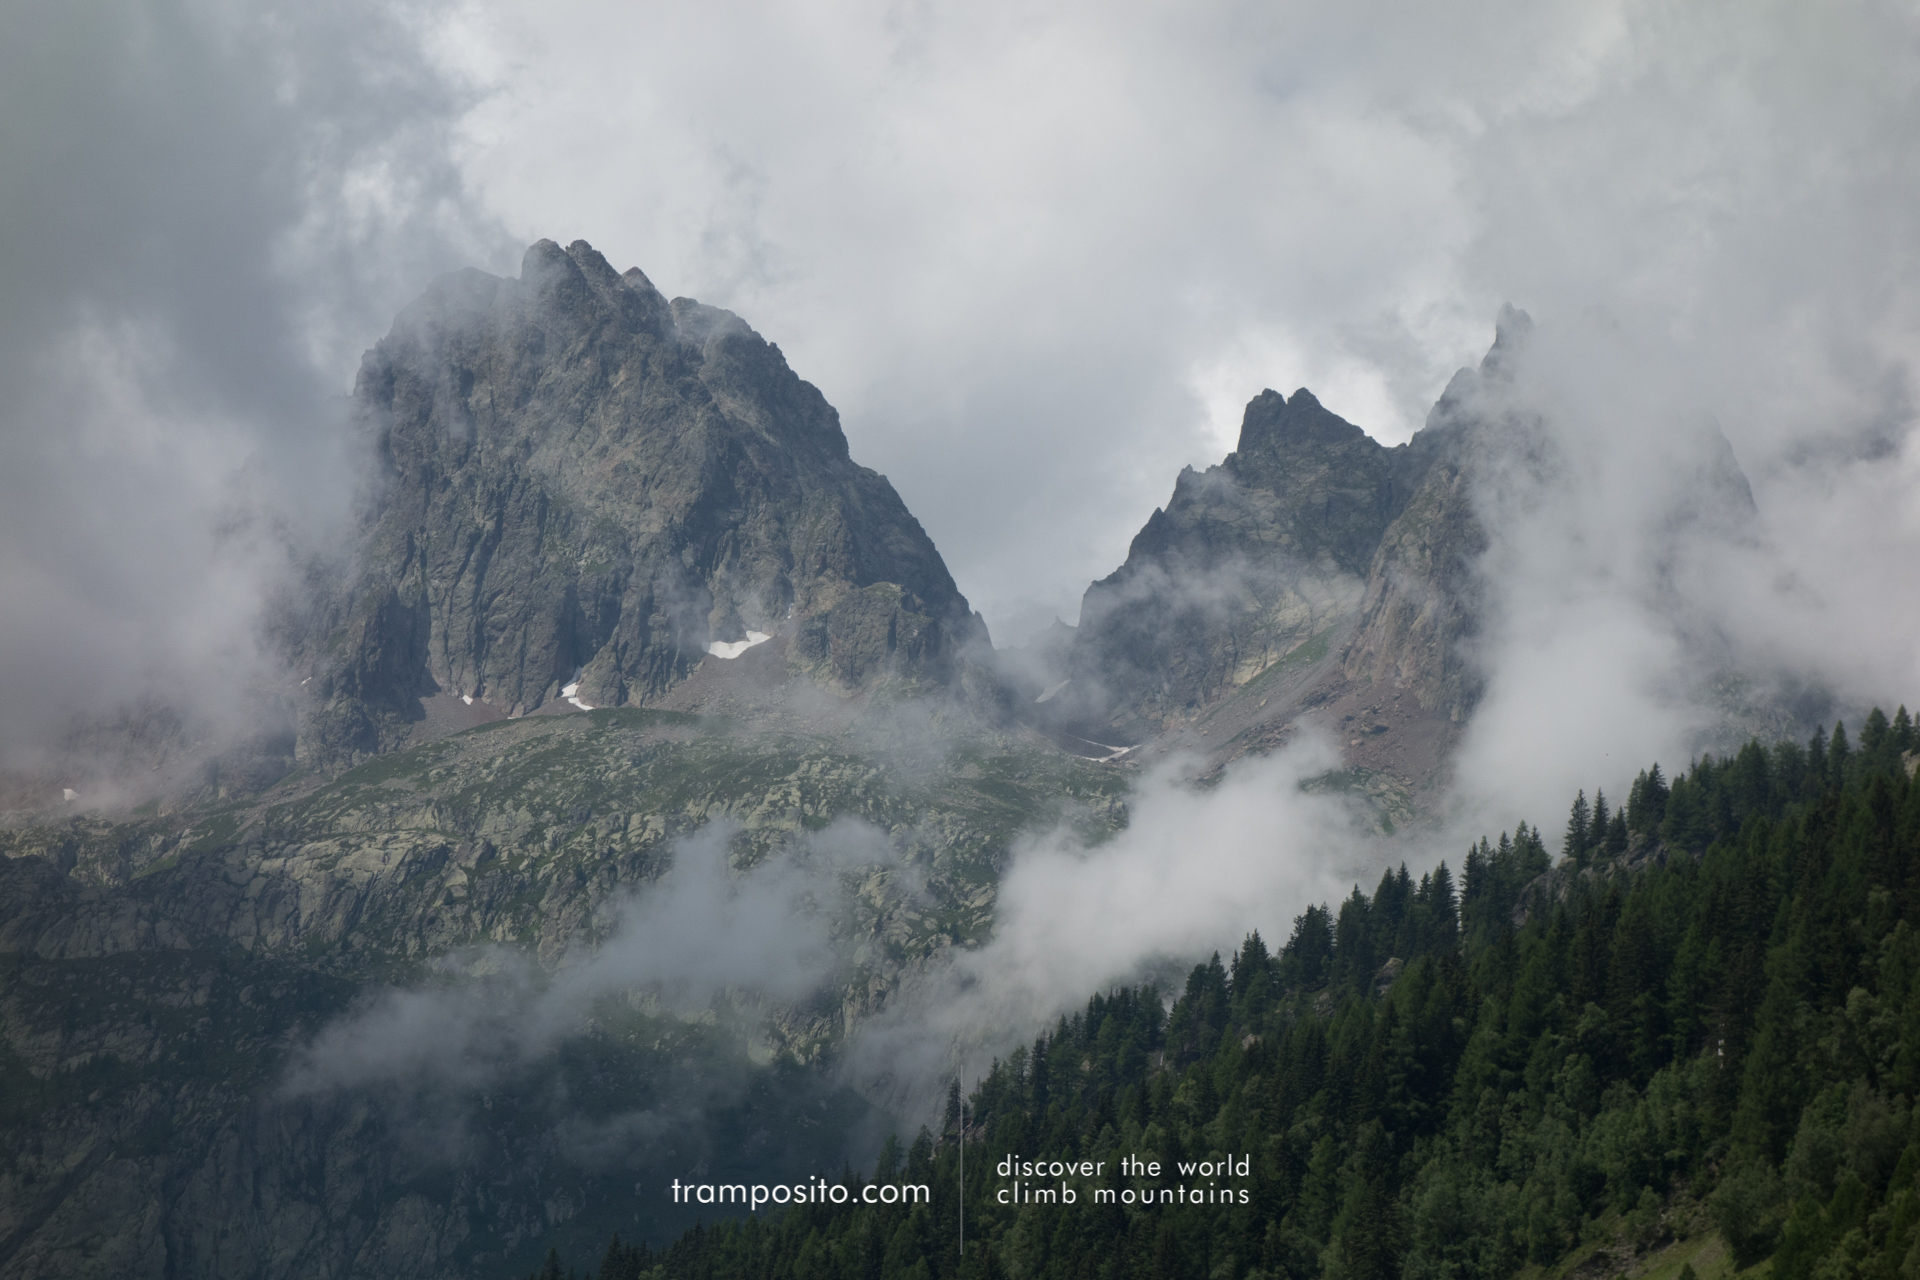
(1039, 255)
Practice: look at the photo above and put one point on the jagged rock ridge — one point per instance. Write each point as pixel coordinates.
(1248, 561)
(1310, 541)
(580, 480)
(1318, 572)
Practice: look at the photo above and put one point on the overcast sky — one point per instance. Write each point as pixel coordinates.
(1039, 256)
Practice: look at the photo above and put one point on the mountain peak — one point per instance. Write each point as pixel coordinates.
(584, 488)
(1273, 422)
(1512, 328)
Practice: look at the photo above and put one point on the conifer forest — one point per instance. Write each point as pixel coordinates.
(1703, 1023)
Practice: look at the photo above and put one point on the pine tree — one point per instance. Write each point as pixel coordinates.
(1741, 1025)
(1367, 1233)
(1446, 908)
(1353, 954)
(1617, 834)
(1578, 820)
(1688, 822)
(1307, 958)
(1531, 852)
(1647, 802)
(1250, 959)
(1875, 734)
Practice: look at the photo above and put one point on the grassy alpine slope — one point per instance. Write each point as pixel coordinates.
(1704, 1029)
(160, 976)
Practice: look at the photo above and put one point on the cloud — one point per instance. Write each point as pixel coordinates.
(1708, 227)
(1013, 245)
(1641, 605)
(1195, 870)
(206, 208)
(1039, 257)
(1193, 867)
(763, 935)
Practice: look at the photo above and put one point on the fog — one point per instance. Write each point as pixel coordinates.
(1041, 257)
(209, 211)
(699, 932)
(1197, 868)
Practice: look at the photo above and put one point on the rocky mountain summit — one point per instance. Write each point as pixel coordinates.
(1313, 572)
(1310, 535)
(1318, 576)
(583, 490)
(1249, 561)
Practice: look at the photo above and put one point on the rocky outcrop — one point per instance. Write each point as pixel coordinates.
(1424, 597)
(1312, 544)
(578, 482)
(1310, 537)
(1249, 561)
(1486, 453)
(1421, 604)
(1556, 887)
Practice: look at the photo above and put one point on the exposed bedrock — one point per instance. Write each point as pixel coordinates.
(576, 480)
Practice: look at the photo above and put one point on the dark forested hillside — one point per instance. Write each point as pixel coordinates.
(1705, 1019)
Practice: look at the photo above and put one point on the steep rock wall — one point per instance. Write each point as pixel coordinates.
(575, 478)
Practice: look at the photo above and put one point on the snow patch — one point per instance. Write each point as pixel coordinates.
(1053, 689)
(69, 794)
(467, 698)
(572, 689)
(734, 648)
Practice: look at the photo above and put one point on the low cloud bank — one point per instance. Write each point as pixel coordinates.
(1662, 581)
(1195, 870)
(765, 935)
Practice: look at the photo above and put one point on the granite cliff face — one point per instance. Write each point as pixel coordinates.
(580, 483)
(584, 496)
(1314, 575)
(1312, 555)
(1248, 562)
(1424, 597)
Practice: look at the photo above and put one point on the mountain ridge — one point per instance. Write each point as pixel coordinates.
(621, 596)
